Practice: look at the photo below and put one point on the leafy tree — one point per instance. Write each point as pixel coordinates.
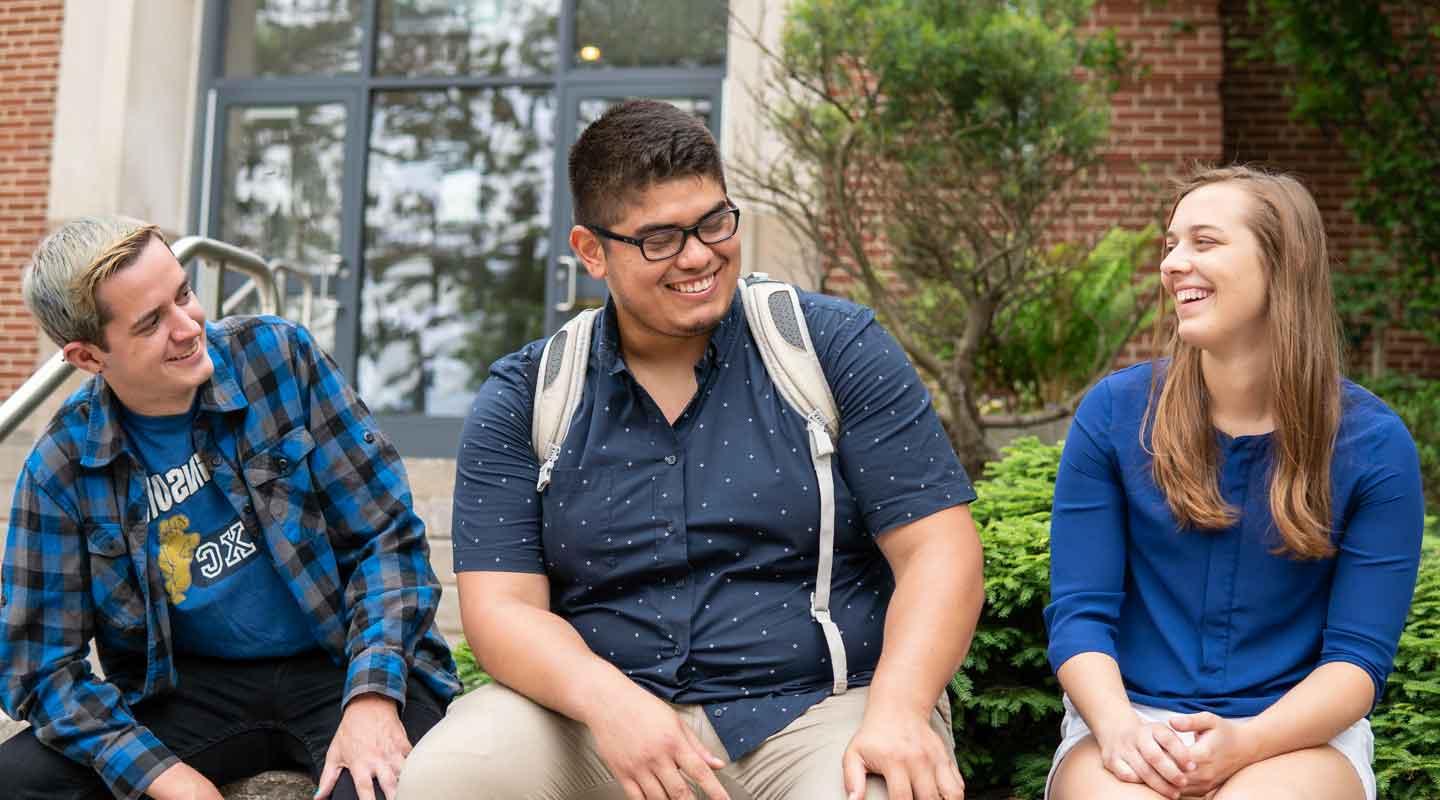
(929, 148)
(1369, 74)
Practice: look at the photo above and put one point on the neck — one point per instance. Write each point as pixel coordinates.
(1240, 390)
(658, 351)
(157, 406)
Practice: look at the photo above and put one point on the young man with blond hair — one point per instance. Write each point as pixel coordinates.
(217, 510)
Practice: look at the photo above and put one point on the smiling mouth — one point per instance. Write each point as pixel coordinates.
(1191, 295)
(194, 348)
(694, 286)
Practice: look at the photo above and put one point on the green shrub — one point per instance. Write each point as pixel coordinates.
(1417, 401)
(1407, 723)
(471, 675)
(1007, 714)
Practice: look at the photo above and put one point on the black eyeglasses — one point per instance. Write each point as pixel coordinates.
(668, 243)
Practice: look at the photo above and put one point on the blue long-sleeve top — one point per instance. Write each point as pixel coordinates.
(1217, 620)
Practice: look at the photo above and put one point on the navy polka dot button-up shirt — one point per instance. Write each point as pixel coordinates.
(686, 554)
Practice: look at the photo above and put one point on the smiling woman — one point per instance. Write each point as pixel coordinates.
(1236, 528)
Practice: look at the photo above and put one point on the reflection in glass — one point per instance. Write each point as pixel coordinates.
(650, 33)
(456, 228)
(292, 37)
(467, 37)
(592, 107)
(282, 193)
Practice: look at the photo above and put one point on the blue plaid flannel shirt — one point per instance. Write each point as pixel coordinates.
(300, 458)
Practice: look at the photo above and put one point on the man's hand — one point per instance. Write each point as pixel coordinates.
(1148, 753)
(651, 751)
(371, 743)
(182, 782)
(907, 752)
(1220, 750)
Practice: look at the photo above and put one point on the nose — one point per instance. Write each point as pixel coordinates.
(186, 325)
(1175, 261)
(695, 254)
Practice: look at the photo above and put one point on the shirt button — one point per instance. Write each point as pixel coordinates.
(719, 712)
(369, 437)
(249, 508)
(282, 464)
(214, 461)
(671, 459)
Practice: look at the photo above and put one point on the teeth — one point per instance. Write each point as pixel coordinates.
(193, 347)
(1187, 295)
(695, 286)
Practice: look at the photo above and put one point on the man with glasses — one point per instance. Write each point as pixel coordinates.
(647, 616)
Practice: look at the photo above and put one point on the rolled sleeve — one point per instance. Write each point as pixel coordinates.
(48, 624)
(497, 511)
(1378, 560)
(1087, 538)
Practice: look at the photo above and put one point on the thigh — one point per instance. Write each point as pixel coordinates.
(33, 771)
(496, 743)
(804, 759)
(1316, 773)
(1082, 775)
(218, 717)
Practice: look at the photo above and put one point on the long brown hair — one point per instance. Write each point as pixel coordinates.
(1304, 376)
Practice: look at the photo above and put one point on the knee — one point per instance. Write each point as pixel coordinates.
(32, 770)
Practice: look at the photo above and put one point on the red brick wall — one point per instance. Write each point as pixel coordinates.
(1258, 129)
(29, 71)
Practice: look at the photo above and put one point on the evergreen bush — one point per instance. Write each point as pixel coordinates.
(1007, 709)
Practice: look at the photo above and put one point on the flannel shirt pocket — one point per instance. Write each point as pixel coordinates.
(279, 475)
(114, 586)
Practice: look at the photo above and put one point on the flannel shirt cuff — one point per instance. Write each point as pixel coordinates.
(132, 762)
(378, 670)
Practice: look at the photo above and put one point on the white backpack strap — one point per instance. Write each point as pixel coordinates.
(778, 326)
(558, 390)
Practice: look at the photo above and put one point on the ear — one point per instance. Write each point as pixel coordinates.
(84, 356)
(590, 250)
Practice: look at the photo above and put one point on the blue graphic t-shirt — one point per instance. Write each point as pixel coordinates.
(226, 597)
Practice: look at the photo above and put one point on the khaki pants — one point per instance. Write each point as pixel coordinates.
(495, 744)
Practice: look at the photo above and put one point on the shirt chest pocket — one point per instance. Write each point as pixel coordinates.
(114, 584)
(599, 522)
(279, 476)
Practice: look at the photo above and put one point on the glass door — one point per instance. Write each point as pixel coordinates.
(277, 187)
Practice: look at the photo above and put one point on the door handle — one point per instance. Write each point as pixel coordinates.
(571, 267)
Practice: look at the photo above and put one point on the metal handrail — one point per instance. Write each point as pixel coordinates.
(49, 377)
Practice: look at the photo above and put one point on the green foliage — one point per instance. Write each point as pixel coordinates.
(1008, 708)
(955, 133)
(471, 675)
(1417, 402)
(1050, 347)
(1407, 723)
(1369, 73)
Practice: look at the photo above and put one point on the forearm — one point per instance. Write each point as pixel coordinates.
(1094, 685)
(929, 625)
(1332, 697)
(541, 656)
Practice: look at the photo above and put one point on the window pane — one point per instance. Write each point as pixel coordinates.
(457, 237)
(292, 37)
(283, 171)
(650, 33)
(592, 107)
(467, 37)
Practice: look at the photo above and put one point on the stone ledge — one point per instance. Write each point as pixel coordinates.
(265, 786)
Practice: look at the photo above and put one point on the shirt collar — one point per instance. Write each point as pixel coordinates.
(607, 339)
(103, 441)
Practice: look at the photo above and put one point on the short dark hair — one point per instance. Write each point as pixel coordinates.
(633, 146)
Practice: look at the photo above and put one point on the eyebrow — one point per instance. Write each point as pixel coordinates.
(665, 226)
(1171, 234)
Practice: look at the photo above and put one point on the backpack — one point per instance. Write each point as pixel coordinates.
(772, 310)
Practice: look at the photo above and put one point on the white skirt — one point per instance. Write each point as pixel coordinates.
(1356, 743)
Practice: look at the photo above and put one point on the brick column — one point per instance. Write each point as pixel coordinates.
(29, 72)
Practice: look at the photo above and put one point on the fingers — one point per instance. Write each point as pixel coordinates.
(711, 760)
(948, 780)
(897, 784)
(1175, 748)
(328, 776)
(696, 768)
(854, 769)
(1202, 721)
(1160, 760)
(1150, 777)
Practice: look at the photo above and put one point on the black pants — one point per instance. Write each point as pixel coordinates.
(229, 720)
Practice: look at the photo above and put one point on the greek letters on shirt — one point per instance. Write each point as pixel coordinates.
(170, 489)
